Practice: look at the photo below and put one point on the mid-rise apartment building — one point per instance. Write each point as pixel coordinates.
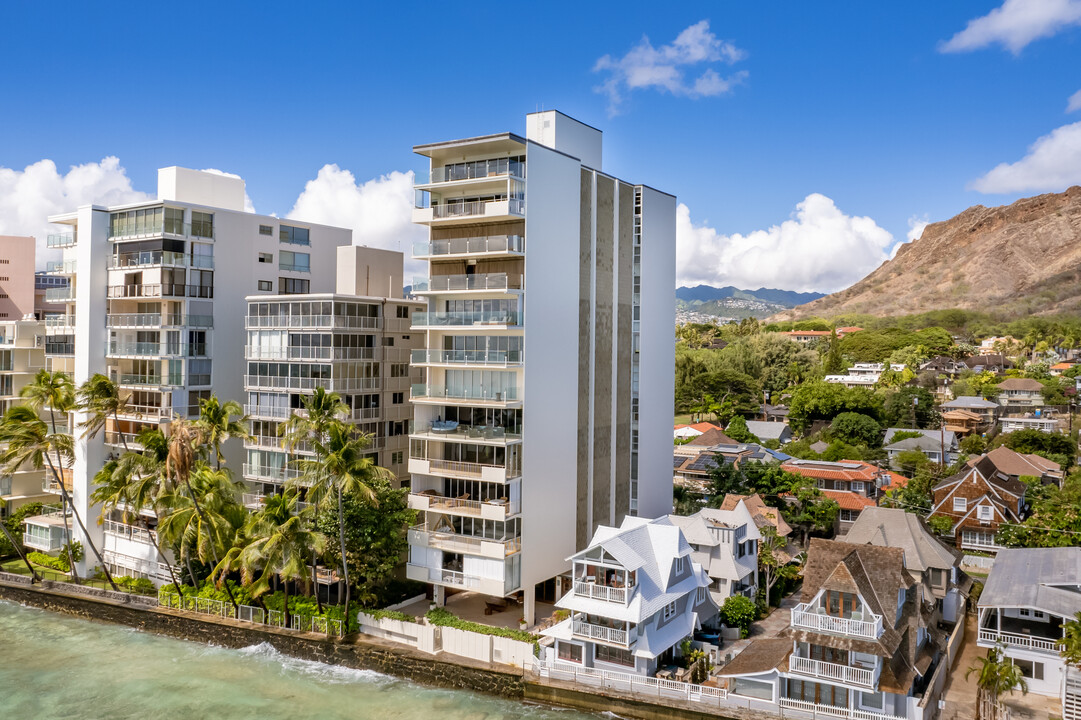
(16, 277)
(22, 354)
(156, 300)
(547, 357)
(355, 342)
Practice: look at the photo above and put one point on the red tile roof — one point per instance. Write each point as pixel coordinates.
(849, 500)
(845, 470)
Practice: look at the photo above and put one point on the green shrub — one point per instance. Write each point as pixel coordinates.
(389, 614)
(445, 618)
(739, 611)
(56, 563)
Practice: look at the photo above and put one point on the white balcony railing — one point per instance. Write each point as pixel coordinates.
(477, 208)
(616, 636)
(130, 532)
(601, 592)
(273, 474)
(850, 674)
(453, 542)
(487, 244)
(268, 411)
(478, 394)
(475, 282)
(493, 358)
(1029, 642)
(819, 710)
(509, 318)
(459, 468)
(807, 617)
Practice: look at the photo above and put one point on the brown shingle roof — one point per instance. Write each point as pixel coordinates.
(1015, 464)
(759, 656)
(763, 514)
(712, 437)
(1021, 384)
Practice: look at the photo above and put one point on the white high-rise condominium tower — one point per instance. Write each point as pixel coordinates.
(548, 360)
(156, 301)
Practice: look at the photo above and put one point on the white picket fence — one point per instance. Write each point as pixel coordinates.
(248, 614)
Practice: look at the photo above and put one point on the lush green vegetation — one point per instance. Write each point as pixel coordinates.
(445, 618)
(1054, 519)
(739, 611)
(55, 563)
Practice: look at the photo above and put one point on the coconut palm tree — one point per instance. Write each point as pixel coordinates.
(278, 542)
(100, 398)
(995, 676)
(341, 466)
(30, 444)
(201, 516)
(34, 577)
(219, 421)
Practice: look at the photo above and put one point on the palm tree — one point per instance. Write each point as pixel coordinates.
(995, 675)
(30, 444)
(279, 543)
(184, 438)
(1070, 642)
(100, 398)
(34, 577)
(218, 421)
(340, 467)
(201, 514)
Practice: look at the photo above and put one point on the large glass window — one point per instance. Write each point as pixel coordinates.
(619, 656)
(294, 261)
(202, 224)
(569, 652)
(293, 286)
(295, 235)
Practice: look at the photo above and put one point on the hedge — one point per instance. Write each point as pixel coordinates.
(55, 563)
(389, 615)
(445, 618)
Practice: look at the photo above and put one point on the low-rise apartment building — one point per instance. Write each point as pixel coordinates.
(637, 593)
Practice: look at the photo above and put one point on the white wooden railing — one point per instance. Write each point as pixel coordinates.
(820, 710)
(864, 677)
(617, 636)
(806, 616)
(1029, 642)
(600, 592)
(629, 682)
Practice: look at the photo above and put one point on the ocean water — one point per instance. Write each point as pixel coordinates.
(55, 666)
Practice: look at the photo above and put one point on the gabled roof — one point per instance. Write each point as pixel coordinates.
(763, 514)
(947, 437)
(849, 500)
(970, 401)
(1046, 579)
(876, 573)
(1023, 384)
(768, 430)
(923, 443)
(713, 436)
(1016, 464)
(892, 527)
(845, 470)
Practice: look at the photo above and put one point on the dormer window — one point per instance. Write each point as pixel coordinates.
(669, 610)
(679, 566)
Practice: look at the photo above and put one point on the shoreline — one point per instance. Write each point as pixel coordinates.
(357, 652)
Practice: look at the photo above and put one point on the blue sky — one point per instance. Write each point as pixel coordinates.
(850, 121)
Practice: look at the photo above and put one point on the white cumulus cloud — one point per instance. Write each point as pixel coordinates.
(1074, 103)
(379, 211)
(662, 68)
(818, 248)
(1016, 24)
(30, 195)
(1053, 163)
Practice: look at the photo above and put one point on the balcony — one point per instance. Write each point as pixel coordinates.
(272, 412)
(134, 380)
(59, 294)
(863, 677)
(460, 580)
(157, 320)
(496, 319)
(479, 358)
(60, 240)
(130, 532)
(139, 231)
(484, 509)
(820, 710)
(476, 282)
(484, 245)
(461, 470)
(59, 324)
(255, 501)
(147, 412)
(806, 616)
(152, 258)
(120, 439)
(597, 591)
(60, 267)
(345, 322)
(468, 212)
(270, 474)
(477, 170)
(603, 633)
(440, 394)
(479, 434)
(59, 348)
(155, 290)
(157, 349)
(468, 545)
(310, 353)
(981, 541)
(991, 638)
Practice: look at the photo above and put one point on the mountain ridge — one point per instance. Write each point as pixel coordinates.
(706, 293)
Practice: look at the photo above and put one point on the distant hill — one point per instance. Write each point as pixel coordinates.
(1018, 259)
(706, 293)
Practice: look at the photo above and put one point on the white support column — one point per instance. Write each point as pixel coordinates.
(439, 596)
(529, 604)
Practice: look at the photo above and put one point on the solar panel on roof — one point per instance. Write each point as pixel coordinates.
(677, 461)
(703, 463)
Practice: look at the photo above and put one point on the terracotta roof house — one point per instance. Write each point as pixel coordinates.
(637, 593)
(927, 558)
(1020, 394)
(1028, 597)
(858, 645)
(977, 501)
(725, 543)
(693, 430)
(1059, 368)
(853, 484)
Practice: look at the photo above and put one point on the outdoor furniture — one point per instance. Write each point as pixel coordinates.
(664, 674)
(492, 607)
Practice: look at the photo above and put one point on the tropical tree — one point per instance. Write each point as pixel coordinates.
(771, 563)
(341, 467)
(34, 577)
(275, 542)
(219, 421)
(100, 398)
(30, 444)
(995, 676)
(1070, 642)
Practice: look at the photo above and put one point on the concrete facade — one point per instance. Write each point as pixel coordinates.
(16, 277)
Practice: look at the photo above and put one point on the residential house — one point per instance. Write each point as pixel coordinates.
(1020, 394)
(725, 543)
(997, 344)
(863, 374)
(944, 365)
(1042, 423)
(763, 514)
(987, 410)
(962, 422)
(806, 336)
(854, 485)
(1017, 464)
(938, 446)
(1027, 599)
(766, 431)
(927, 558)
(775, 413)
(992, 362)
(1059, 368)
(693, 430)
(637, 592)
(693, 463)
(977, 501)
(859, 644)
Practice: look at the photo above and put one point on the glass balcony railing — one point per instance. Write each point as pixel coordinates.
(467, 357)
(477, 281)
(59, 294)
(465, 246)
(157, 349)
(313, 321)
(160, 290)
(60, 267)
(467, 318)
(294, 267)
(310, 353)
(159, 257)
(201, 230)
(420, 390)
(123, 320)
(60, 240)
(478, 169)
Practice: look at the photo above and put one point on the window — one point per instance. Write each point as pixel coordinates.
(679, 565)
(395, 428)
(396, 458)
(399, 370)
(293, 286)
(701, 596)
(848, 515)
(397, 398)
(857, 486)
(294, 261)
(871, 701)
(266, 286)
(570, 652)
(402, 311)
(266, 230)
(266, 257)
(985, 512)
(388, 341)
(202, 224)
(616, 656)
(1029, 669)
(669, 610)
(294, 235)
(960, 504)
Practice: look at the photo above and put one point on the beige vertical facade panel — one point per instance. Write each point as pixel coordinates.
(583, 526)
(603, 323)
(623, 352)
